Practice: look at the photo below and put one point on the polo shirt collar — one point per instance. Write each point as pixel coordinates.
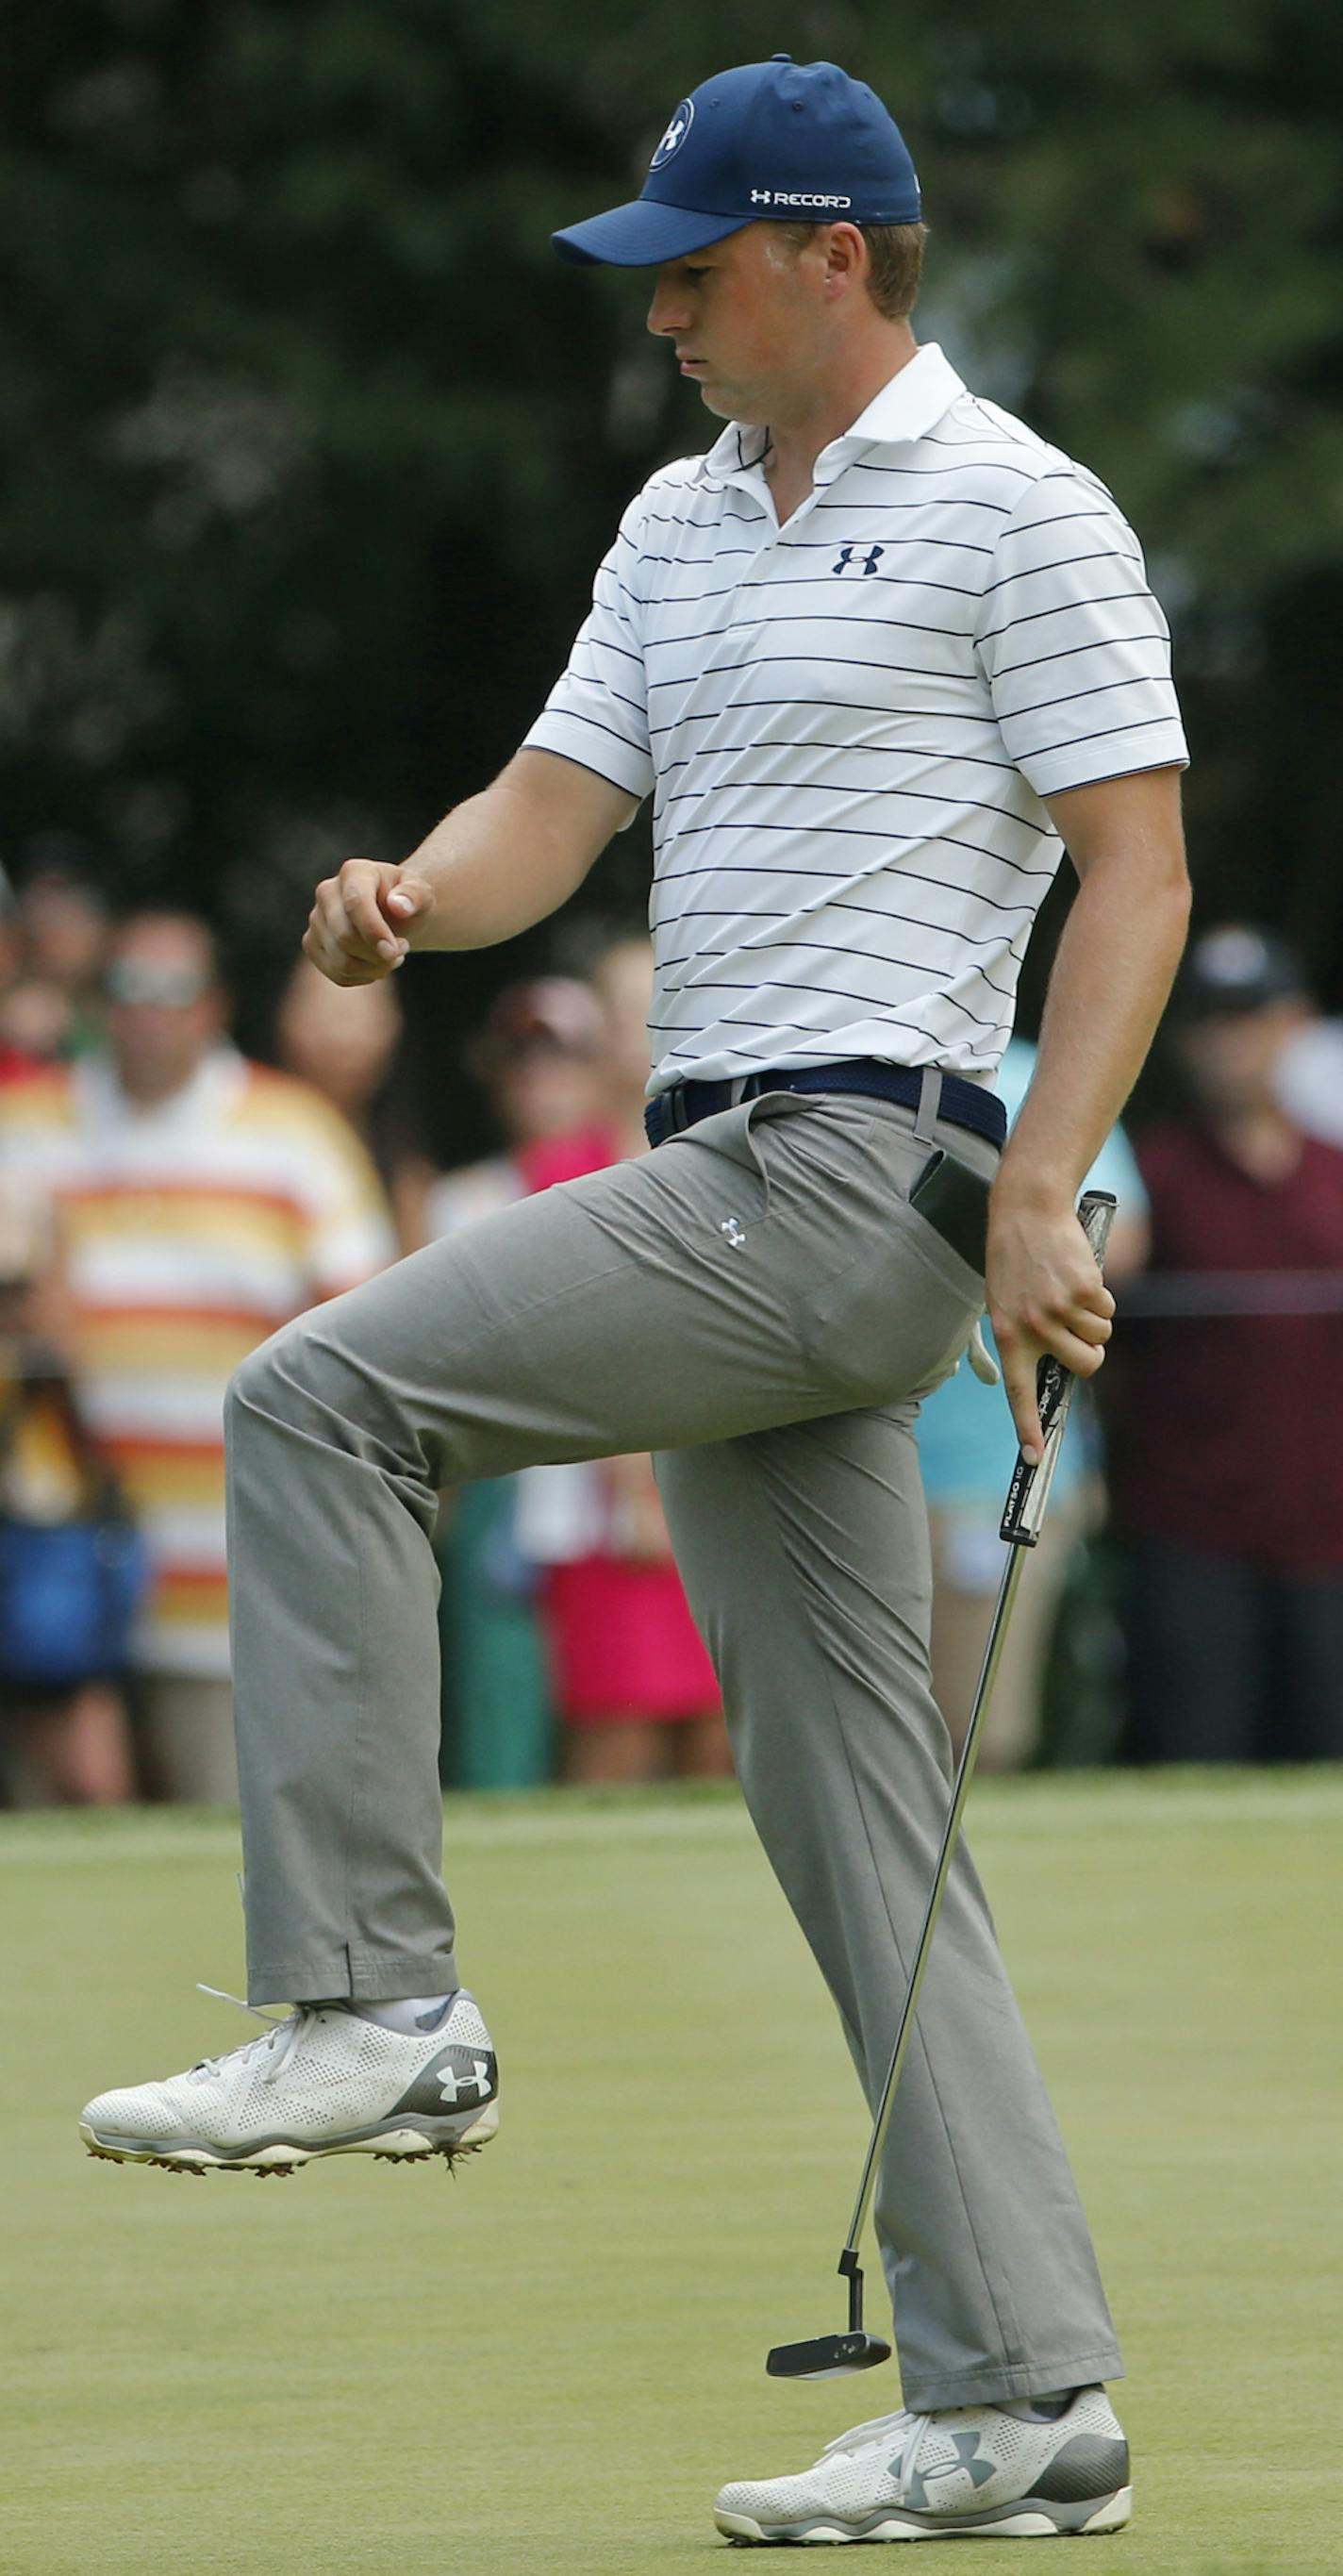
(906, 408)
(191, 1111)
(732, 457)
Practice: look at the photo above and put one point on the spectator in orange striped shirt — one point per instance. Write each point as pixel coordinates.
(201, 1201)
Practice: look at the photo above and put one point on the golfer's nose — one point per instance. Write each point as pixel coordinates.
(667, 313)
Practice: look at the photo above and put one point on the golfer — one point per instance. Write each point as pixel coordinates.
(877, 657)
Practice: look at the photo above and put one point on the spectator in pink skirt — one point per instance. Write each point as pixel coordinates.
(635, 1691)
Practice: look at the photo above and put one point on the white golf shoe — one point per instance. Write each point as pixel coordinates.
(968, 2472)
(320, 2082)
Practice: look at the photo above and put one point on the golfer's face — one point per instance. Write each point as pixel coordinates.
(741, 318)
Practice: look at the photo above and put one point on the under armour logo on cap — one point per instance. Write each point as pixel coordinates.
(675, 135)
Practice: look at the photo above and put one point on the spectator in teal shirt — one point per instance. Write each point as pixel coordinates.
(968, 1448)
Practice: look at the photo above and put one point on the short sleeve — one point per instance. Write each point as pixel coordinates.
(597, 713)
(348, 1231)
(1072, 643)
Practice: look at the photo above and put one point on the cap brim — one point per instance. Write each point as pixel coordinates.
(644, 234)
(1233, 1001)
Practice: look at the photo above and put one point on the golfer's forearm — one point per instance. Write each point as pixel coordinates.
(493, 872)
(1115, 965)
(512, 855)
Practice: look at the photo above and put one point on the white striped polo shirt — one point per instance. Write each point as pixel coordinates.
(849, 723)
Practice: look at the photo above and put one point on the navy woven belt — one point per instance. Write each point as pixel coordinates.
(963, 1104)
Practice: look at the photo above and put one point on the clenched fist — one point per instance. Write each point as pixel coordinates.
(363, 920)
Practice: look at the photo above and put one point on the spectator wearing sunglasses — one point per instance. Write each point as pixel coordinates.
(200, 1201)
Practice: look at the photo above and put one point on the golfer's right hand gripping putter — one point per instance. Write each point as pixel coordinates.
(835, 2356)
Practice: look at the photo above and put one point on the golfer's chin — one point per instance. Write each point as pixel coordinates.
(725, 404)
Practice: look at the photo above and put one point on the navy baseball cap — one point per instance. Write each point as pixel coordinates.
(1238, 967)
(782, 141)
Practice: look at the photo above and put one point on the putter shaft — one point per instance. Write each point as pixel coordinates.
(1024, 1510)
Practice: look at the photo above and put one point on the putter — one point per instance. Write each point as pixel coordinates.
(834, 2356)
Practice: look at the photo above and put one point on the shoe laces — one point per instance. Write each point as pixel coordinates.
(878, 2428)
(277, 2042)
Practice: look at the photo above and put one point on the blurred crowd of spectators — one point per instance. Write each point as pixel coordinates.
(166, 1202)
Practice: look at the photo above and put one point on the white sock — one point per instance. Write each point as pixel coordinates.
(412, 2015)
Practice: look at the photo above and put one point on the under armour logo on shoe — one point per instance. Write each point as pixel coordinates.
(870, 560)
(452, 2085)
(966, 2445)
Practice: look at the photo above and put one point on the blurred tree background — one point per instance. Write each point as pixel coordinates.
(308, 444)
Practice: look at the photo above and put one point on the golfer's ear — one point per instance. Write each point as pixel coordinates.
(847, 260)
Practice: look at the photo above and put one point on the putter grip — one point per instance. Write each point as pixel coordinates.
(1029, 1490)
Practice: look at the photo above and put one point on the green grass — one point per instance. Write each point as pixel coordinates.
(550, 2363)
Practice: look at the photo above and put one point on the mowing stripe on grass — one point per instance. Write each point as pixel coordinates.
(566, 1819)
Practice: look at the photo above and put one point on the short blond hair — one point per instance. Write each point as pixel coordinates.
(896, 253)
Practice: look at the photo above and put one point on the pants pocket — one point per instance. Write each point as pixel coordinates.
(893, 1323)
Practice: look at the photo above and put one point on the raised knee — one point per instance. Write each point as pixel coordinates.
(269, 1379)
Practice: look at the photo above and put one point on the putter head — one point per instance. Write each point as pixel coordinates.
(827, 2356)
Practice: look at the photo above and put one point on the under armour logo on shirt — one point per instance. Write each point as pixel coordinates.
(870, 560)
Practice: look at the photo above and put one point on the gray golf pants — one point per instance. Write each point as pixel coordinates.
(757, 1302)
